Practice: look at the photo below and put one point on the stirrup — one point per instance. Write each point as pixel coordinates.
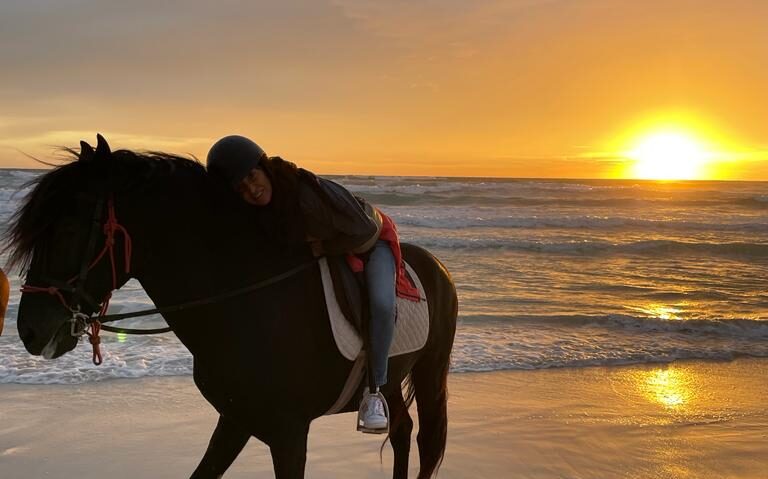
(364, 405)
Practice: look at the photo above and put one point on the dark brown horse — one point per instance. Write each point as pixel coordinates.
(265, 360)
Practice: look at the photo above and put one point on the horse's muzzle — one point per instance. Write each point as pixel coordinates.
(60, 343)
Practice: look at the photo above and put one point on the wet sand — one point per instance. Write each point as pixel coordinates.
(690, 419)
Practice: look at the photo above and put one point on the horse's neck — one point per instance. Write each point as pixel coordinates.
(196, 251)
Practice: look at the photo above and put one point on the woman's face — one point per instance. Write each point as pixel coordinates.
(255, 189)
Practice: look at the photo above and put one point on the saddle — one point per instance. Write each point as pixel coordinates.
(344, 304)
(346, 287)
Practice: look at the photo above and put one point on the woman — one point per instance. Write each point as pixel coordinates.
(334, 222)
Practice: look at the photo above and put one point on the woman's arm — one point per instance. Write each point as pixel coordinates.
(339, 221)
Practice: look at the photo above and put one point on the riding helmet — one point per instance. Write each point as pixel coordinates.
(233, 157)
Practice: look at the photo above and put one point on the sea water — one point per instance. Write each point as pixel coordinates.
(549, 273)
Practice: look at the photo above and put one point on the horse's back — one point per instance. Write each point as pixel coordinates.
(440, 291)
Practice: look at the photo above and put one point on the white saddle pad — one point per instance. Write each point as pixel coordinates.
(411, 327)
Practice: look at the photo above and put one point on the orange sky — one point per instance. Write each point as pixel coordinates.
(523, 88)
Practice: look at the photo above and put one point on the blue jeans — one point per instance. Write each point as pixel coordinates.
(380, 276)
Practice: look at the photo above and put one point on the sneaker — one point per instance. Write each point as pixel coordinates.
(372, 415)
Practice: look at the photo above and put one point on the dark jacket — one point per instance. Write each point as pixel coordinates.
(340, 221)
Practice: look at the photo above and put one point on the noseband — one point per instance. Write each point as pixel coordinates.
(82, 323)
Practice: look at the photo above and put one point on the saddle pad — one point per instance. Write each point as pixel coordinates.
(411, 327)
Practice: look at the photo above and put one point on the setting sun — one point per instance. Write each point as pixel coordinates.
(668, 155)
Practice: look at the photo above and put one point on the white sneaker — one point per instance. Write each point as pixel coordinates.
(372, 415)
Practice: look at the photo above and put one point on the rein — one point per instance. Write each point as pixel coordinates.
(82, 323)
(200, 302)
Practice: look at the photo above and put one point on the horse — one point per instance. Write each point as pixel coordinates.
(266, 360)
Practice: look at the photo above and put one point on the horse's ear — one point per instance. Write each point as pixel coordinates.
(102, 148)
(86, 151)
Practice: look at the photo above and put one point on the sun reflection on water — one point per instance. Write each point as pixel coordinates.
(669, 387)
(660, 311)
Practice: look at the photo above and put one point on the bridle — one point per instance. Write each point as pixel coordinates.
(82, 323)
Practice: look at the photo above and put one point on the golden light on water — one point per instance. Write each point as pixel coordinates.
(660, 311)
(669, 387)
(668, 155)
(664, 312)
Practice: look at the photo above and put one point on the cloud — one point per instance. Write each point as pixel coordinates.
(167, 52)
(435, 29)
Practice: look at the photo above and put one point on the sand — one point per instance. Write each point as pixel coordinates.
(691, 419)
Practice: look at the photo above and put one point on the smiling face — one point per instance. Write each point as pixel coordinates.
(255, 188)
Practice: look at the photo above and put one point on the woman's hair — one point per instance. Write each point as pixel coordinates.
(284, 212)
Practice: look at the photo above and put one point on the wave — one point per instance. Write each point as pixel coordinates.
(490, 218)
(484, 344)
(649, 247)
(23, 174)
(477, 364)
(406, 183)
(752, 329)
(759, 202)
(480, 199)
(132, 358)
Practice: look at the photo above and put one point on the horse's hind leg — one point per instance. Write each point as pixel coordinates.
(226, 443)
(400, 433)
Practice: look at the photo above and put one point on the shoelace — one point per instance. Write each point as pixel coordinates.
(376, 408)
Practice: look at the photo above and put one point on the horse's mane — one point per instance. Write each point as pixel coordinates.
(83, 173)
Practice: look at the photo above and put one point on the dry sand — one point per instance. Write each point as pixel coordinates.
(684, 420)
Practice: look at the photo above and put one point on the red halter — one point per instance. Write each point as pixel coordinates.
(81, 322)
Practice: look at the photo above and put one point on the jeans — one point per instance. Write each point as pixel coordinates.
(380, 276)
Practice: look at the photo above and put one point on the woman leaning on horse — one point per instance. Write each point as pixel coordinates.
(303, 207)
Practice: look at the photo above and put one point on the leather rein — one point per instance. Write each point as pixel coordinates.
(82, 323)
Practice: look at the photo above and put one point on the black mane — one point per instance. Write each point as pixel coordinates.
(118, 171)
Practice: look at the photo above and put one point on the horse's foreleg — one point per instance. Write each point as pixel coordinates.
(226, 443)
(400, 434)
(289, 451)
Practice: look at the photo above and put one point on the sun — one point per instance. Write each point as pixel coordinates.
(668, 155)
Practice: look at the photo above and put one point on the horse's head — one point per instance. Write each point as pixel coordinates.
(193, 235)
(61, 236)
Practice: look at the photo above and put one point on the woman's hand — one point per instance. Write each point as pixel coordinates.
(317, 248)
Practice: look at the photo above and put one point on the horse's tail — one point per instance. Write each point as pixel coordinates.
(430, 375)
(430, 381)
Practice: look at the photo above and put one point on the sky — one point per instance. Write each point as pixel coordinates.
(520, 88)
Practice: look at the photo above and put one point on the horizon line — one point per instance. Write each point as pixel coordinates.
(656, 180)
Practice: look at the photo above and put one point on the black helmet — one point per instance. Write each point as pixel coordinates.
(233, 157)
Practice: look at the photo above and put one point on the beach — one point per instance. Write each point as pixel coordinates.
(687, 419)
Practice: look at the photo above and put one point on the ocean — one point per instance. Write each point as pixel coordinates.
(550, 273)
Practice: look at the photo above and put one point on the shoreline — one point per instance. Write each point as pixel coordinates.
(685, 419)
